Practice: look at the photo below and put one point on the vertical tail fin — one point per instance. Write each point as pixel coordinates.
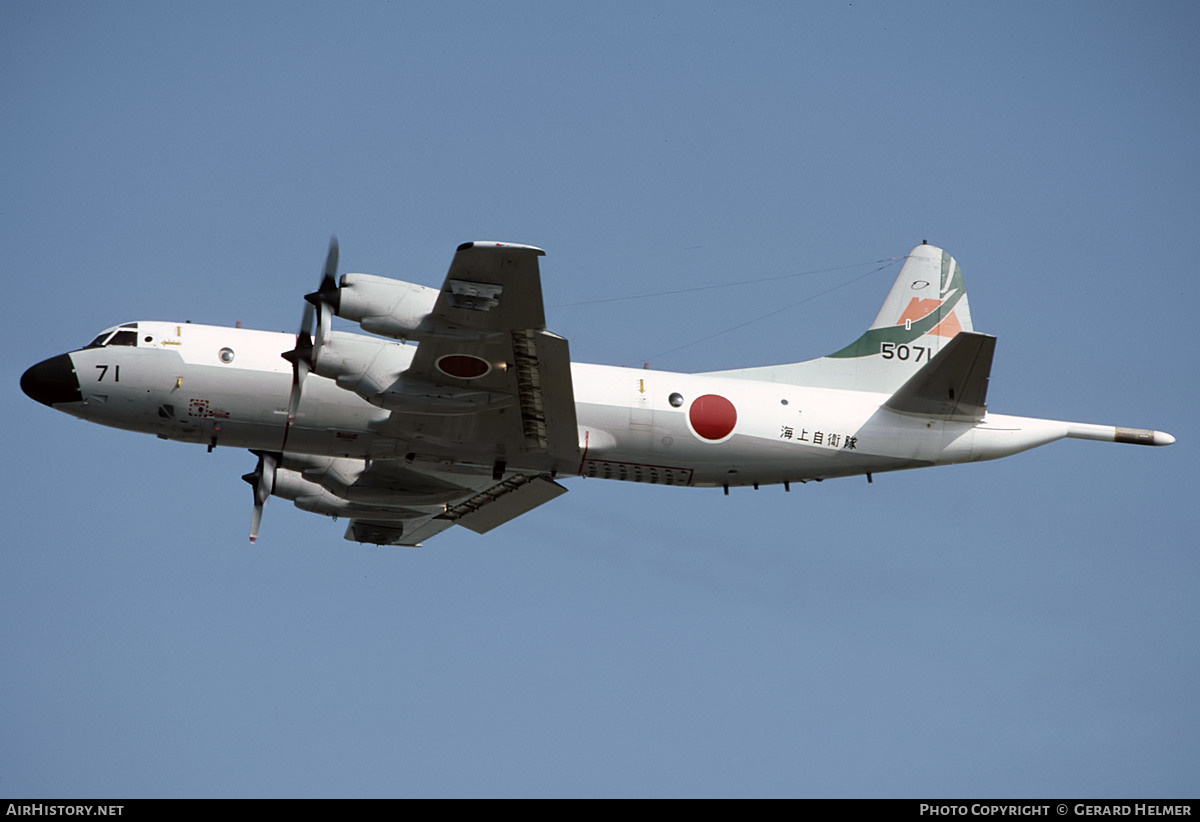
(927, 300)
(926, 307)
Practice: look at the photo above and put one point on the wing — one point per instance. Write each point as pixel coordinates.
(482, 409)
(479, 511)
(402, 502)
(488, 382)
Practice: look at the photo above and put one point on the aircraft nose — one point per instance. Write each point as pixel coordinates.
(52, 381)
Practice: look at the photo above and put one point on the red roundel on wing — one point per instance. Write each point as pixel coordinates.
(712, 417)
(463, 366)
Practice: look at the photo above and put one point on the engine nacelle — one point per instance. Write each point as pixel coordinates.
(375, 370)
(385, 306)
(340, 476)
(365, 365)
(310, 496)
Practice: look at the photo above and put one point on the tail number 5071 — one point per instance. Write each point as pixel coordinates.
(904, 352)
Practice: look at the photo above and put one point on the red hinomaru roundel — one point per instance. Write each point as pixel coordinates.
(712, 417)
(463, 366)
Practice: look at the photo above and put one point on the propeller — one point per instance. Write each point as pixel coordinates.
(325, 299)
(314, 330)
(262, 480)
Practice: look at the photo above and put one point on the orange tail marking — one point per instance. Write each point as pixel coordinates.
(918, 310)
(947, 327)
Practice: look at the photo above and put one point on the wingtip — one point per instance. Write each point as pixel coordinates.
(495, 244)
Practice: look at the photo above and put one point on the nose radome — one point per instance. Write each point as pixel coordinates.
(52, 381)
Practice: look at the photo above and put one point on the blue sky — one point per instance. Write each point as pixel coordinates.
(1019, 628)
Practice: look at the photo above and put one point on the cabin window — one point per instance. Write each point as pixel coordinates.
(675, 399)
(226, 355)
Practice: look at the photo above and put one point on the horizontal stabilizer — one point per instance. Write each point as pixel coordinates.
(953, 385)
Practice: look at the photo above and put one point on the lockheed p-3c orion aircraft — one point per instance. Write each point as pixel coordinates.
(459, 407)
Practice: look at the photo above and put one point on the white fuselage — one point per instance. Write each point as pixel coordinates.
(230, 387)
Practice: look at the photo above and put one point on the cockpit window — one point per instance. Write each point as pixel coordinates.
(122, 335)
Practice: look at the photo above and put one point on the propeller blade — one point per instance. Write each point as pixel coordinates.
(262, 483)
(329, 277)
(255, 521)
(314, 330)
(297, 383)
(301, 358)
(306, 320)
(325, 300)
